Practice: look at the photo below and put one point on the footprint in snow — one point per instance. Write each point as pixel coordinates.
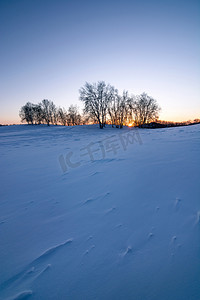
(118, 225)
(141, 244)
(177, 204)
(127, 251)
(173, 240)
(174, 245)
(89, 238)
(92, 199)
(150, 235)
(110, 210)
(89, 250)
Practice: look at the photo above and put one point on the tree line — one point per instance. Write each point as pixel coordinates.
(102, 104)
(46, 112)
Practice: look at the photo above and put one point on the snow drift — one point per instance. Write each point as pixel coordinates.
(99, 214)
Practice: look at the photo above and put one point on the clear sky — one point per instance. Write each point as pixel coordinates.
(48, 49)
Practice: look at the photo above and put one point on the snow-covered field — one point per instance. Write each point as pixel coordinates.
(99, 214)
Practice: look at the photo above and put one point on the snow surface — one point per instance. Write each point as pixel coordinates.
(122, 223)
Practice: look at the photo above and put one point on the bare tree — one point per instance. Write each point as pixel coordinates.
(62, 116)
(145, 109)
(96, 97)
(48, 108)
(74, 118)
(118, 109)
(112, 109)
(37, 113)
(86, 119)
(26, 113)
(53, 113)
(122, 108)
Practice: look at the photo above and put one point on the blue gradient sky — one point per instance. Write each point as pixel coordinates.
(50, 48)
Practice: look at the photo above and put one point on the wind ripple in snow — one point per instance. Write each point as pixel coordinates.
(53, 249)
(32, 271)
(21, 296)
(92, 199)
